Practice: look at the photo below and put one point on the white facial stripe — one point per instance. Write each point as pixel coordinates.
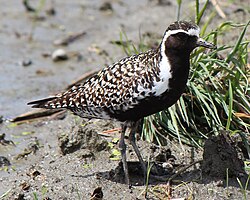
(192, 32)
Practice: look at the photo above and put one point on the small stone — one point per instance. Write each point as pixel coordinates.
(25, 186)
(106, 7)
(168, 166)
(59, 54)
(219, 183)
(164, 3)
(5, 142)
(4, 161)
(51, 11)
(97, 194)
(19, 196)
(26, 62)
(1, 119)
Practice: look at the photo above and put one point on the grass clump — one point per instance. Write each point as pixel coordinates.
(216, 97)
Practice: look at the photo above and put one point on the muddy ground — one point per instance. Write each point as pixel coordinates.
(65, 157)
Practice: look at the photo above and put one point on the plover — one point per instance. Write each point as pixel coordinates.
(136, 86)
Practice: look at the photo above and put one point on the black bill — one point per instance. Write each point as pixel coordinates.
(203, 43)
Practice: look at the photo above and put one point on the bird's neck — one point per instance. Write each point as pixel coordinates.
(178, 59)
(178, 64)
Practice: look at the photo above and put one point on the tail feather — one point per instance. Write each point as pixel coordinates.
(42, 103)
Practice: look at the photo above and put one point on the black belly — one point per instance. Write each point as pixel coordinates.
(149, 106)
(154, 104)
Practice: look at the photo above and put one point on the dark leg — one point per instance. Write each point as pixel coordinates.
(132, 140)
(122, 147)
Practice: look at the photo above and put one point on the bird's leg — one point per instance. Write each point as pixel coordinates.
(122, 147)
(133, 143)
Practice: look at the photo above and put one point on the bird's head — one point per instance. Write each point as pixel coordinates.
(183, 37)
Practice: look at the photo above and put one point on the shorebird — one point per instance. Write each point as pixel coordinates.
(135, 86)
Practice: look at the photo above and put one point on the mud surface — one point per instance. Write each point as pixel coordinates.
(220, 154)
(68, 158)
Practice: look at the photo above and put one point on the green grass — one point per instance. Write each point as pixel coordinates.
(243, 188)
(149, 167)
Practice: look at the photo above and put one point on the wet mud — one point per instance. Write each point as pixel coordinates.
(65, 157)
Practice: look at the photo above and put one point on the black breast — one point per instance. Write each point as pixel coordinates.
(154, 104)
